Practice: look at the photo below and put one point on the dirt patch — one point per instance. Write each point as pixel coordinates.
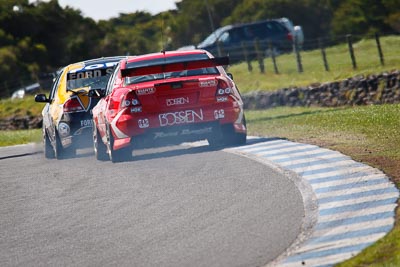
(362, 153)
(390, 166)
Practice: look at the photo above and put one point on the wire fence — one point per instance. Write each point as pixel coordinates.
(334, 53)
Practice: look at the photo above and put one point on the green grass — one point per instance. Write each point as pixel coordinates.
(10, 138)
(19, 107)
(339, 61)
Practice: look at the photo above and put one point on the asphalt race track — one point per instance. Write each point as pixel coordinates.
(175, 206)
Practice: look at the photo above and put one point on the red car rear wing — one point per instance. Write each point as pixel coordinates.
(174, 66)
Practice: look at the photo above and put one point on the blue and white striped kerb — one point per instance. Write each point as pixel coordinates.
(356, 202)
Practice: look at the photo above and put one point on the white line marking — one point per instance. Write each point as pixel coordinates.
(275, 151)
(311, 159)
(306, 154)
(344, 180)
(340, 243)
(354, 190)
(352, 214)
(262, 145)
(337, 204)
(343, 164)
(337, 172)
(273, 146)
(340, 229)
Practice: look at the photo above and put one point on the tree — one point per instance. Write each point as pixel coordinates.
(192, 15)
(393, 18)
(360, 17)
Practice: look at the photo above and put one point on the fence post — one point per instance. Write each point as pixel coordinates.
(321, 45)
(260, 57)
(219, 50)
(246, 57)
(378, 44)
(350, 43)
(271, 51)
(298, 56)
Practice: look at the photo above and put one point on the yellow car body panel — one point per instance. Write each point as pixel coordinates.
(63, 95)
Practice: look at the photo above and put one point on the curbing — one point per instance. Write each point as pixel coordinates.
(356, 203)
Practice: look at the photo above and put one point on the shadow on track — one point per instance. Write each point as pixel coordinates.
(20, 155)
(184, 149)
(156, 152)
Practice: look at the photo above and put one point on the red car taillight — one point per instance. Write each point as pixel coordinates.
(223, 88)
(223, 91)
(131, 102)
(72, 105)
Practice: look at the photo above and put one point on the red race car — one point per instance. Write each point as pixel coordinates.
(167, 98)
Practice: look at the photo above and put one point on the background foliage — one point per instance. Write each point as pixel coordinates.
(38, 38)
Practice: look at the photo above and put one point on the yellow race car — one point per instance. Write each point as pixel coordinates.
(67, 119)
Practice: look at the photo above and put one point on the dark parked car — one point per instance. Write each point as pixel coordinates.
(234, 40)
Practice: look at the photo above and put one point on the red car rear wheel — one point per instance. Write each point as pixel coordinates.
(123, 154)
(100, 149)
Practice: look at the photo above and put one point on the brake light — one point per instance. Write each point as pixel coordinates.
(223, 91)
(289, 36)
(72, 105)
(223, 88)
(131, 102)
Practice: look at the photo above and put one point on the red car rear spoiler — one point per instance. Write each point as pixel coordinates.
(175, 66)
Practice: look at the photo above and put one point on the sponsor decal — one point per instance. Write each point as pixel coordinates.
(222, 98)
(199, 131)
(163, 135)
(180, 117)
(177, 101)
(63, 129)
(143, 123)
(158, 135)
(219, 114)
(66, 141)
(146, 91)
(100, 65)
(86, 123)
(92, 71)
(136, 109)
(107, 65)
(207, 83)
